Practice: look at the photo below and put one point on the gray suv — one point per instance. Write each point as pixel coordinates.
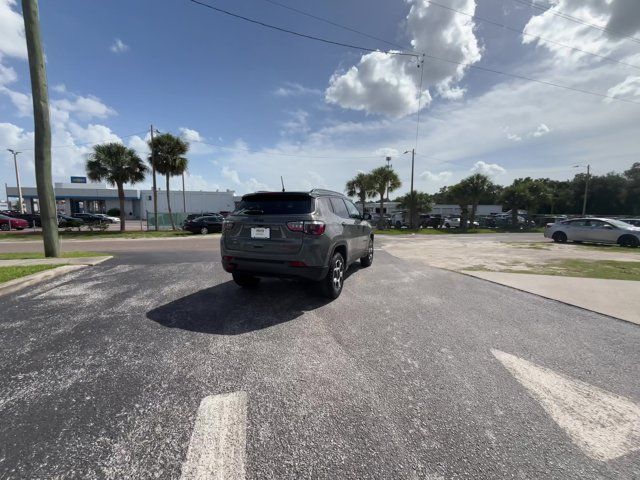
(314, 235)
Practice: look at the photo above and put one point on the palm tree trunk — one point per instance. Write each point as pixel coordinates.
(42, 128)
(464, 217)
(173, 224)
(121, 199)
(514, 217)
(382, 219)
(474, 208)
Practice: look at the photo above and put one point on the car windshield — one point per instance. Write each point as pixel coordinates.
(274, 204)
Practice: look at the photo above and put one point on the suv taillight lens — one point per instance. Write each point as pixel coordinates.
(310, 228)
(226, 225)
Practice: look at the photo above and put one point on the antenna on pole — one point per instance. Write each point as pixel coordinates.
(282, 182)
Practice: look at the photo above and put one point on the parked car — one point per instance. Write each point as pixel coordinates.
(108, 218)
(33, 219)
(454, 222)
(204, 225)
(65, 221)
(314, 235)
(89, 217)
(11, 223)
(594, 230)
(193, 216)
(433, 220)
(631, 221)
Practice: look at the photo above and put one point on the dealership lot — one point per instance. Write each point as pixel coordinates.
(121, 370)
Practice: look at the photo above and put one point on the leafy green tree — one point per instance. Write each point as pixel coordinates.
(384, 181)
(515, 197)
(632, 190)
(420, 201)
(462, 195)
(170, 161)
(117, 165)
(361, 186)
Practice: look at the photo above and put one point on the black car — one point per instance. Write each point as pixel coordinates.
(431, 220)
(65, 221)
(204, 225)
(32, 218)
(631, 221)
(89, 218)
(193, 216)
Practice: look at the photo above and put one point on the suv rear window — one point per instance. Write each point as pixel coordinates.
(274, 204)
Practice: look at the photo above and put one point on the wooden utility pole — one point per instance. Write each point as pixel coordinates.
(155, 190)
(42, 129)
(184, 198)
(586, 191)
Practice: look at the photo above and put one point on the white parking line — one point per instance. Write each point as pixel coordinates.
(604, 425)
(218, 442)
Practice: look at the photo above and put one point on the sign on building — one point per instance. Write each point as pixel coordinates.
(78, 179)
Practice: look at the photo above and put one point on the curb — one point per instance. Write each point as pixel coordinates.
(19, 283)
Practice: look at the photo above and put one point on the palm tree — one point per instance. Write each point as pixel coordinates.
(420, 201)
(360, 186)
(516, 196)
(169, 160)
(478, 185)
(115, 164)
(384, 181)
(462, 196)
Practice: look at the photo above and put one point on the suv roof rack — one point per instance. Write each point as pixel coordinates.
(324, 191)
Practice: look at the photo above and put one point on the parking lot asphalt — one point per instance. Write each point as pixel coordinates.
(413, 373)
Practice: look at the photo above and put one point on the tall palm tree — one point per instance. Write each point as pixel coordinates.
(462, 196)
(516, 196)
(360, 186)
(384, 181)
(169, 159)
(115, 164)
(477, 185)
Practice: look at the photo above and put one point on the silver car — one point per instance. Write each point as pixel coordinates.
(594, 230)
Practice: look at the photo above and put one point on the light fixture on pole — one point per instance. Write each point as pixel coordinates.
(586, 187)
(15, 164)
(412, 198)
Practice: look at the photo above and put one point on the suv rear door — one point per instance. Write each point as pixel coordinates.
(361, 230)
(260, 223)
(351, 230)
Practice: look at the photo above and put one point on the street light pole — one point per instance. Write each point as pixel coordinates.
(412, 198)
(586, 191)
(15, 164)
(155, 191)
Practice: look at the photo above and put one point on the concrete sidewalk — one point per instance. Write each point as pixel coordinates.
(616, 298)
(55, 261)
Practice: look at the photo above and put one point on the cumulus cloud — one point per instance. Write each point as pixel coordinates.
(292, 89)
(251, 185)
(21, 101)
(297, 123)
(190, 135)
(627, 88)
(490, 169)
(12, 40)
(118, 46)
(59, 88)
(436, 177)
(389, 84)
(85, 107)
(540, 131)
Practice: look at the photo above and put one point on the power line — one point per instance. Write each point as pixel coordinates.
(522, 77)
(335, 24)
(571, 18)
(507, 27)
(303, 35)
(87, 143)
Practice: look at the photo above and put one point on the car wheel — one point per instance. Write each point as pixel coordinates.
(245, 281)
(367, 260)
(204, 230)
(334, 280)
(446, 225)
(4, 227)
(628, 241)
(559, 237)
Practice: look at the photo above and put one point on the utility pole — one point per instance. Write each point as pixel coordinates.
(15, 164)
(154, 189)
(184, 198)
(586, 191)
(42, 129)
(413, 199)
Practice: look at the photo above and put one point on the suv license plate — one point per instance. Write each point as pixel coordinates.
(260, 232)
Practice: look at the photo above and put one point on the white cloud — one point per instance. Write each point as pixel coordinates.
(59, 88)
(540, 131)
(387, 152)
(118, 46)
(85, 107)
(291, 89)
(7, 75)
(490, 169)
(12, 40)
(190, 135)
(297, 123)
(514, 137)
(436, 177)
(627, 88)
(231, 175)
(389, 84)
(251, 185)
(21, 101)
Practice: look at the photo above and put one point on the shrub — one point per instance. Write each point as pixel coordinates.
(113, 212)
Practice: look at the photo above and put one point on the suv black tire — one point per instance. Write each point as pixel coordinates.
(367, 260)
(334, 281)
(246, 281)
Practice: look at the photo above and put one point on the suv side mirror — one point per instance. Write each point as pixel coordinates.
(366, 216)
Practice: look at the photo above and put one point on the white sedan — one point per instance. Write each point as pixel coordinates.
(594, 230)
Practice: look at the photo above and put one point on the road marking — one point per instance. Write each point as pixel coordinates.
(217, 449)
(604, 425)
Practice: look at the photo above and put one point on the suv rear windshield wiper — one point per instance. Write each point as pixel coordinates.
(251, 211)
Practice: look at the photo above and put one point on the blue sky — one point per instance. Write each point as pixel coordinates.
(269, 104)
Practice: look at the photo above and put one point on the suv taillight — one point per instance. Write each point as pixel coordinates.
(227, 225)
(310, 228)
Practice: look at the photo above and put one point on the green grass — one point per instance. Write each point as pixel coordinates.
(38, 255)
(75, 235)
(450, 231)
(9, 273)
(605, 269)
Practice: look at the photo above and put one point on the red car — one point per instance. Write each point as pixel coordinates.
(9, 223)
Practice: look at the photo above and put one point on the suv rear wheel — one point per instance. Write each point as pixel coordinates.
(367, 260)
(334, 281)
(246, 281)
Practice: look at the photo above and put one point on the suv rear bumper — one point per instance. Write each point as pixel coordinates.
(272, 268)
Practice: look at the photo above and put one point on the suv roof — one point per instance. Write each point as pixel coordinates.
(316, 192)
